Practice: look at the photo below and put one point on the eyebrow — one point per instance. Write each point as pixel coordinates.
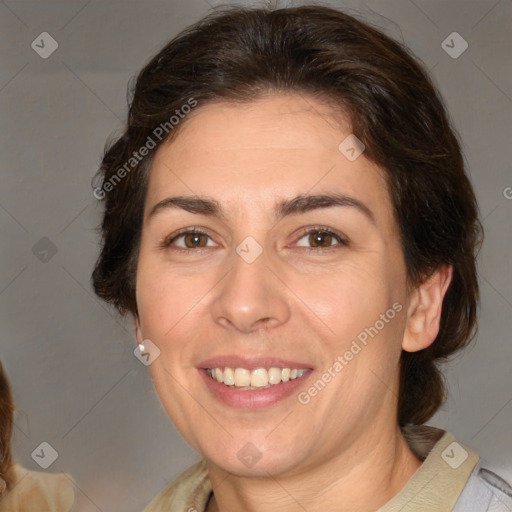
(295, 206)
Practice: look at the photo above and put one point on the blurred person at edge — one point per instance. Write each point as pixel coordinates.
(22, 490)
(301, 248)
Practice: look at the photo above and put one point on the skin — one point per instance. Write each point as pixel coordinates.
(301, 300)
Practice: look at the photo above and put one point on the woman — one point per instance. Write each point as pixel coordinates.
(289, 222)
(22, 490)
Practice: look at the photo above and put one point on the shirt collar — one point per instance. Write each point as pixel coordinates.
(439, 481)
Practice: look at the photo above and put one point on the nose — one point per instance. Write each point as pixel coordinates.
(250, 297)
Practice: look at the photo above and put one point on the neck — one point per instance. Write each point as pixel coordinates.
(361, 478)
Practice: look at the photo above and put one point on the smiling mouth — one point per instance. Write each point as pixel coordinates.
(259, 378)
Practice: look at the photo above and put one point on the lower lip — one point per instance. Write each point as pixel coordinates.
(253, 398)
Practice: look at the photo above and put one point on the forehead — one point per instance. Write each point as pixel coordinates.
(249, 154)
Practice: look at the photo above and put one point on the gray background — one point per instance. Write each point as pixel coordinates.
(76, 382)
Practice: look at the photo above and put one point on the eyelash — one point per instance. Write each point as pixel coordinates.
(342, 241)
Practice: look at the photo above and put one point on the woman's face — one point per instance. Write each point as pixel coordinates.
(280, 276)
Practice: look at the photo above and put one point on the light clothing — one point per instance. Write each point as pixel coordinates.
(450, 479)
(35, 491)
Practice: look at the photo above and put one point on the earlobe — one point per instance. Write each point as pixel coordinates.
(139, 337)
(424, 312)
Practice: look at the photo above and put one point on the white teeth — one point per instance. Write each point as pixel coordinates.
(274, 375)
(255, 379)
(242, 377)
(229, 377)
(259, 378)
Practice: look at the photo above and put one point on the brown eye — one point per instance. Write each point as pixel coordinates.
(193, 240)
(189, 239)
(320, 238)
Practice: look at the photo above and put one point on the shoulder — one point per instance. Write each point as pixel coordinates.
(451, 478)
(189, 491)
(485, 491)
(35, 490)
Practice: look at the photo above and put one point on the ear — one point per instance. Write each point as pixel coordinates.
(139, 337)
(424, 311)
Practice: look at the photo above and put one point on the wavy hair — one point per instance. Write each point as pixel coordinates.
(6, 422)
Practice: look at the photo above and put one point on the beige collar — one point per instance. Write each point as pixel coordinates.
(439, 481)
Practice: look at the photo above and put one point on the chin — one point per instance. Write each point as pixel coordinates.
(249, 461)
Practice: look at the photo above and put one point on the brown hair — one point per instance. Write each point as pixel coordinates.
(6, 420)
(239, 54)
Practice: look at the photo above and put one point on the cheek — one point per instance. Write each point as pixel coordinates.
(170, 309)
(357, 327)
(164, 300)
(348, 299)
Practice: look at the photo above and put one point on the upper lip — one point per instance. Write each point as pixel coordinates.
(251, 363)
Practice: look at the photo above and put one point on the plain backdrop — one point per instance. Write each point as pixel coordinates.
(76, 381)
